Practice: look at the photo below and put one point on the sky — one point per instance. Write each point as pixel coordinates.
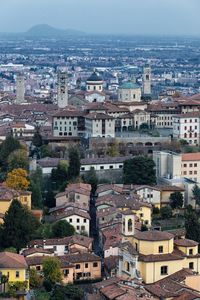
(141, 17)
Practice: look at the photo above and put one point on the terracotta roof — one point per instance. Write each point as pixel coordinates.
(70, 240)
(98, 116)
(106, 187)
(111, 262)
(154, 235)
(190, 156)
(12, 260)
(104, 160)
(31, 251)
(185, 243)
(175, 255)
(71, 212)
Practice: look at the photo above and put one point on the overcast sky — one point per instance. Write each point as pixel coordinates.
(163, 17)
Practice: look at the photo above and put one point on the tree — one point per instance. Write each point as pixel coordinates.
(92, 179)
(68, 292)
(192, 225)
(8, 146)
(51, 270)
(37, 139)
(60, 174)
(46, 151)
(74, 164)
(17, 179)
(18, 227)
(36, 195)
(176, 200)
(139, 170)
(196, 194)
(34, 279)
(18, 159)
(62, 228)
(166, 212)
(113, 149)
(144, 127)
(44, 231)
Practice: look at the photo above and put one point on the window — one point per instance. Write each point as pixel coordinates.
(160, 249)
(185, 173)
(86, 265)
(164, 270)
(127, 266)
(77, 220)
(136, 246)
(54, 248)
(195, 165)
(101, 167)
(191, 265)
(38, 268)
(78, 266)
(82, 168)
(17, 274)
(95, 264)
(130, 225)
(185, 165)
(83, 228)
(77, 227)
(84, 220)
(195, 172)
(70, 220)
(66, 272)
(111, 167)
(190, 165)
(190, 251)
(190, 172)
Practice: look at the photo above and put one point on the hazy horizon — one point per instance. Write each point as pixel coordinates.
(127, 17)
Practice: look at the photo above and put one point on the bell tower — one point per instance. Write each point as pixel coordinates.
(62, 90)
(147, 80)
(128, 223)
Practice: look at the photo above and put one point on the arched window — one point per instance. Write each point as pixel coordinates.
(127, 266)
(130, 225)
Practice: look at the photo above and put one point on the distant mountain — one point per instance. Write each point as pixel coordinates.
(44, 30)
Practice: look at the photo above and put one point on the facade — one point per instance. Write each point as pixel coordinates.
(99, 125)
(187, 127)
(95, 96)
(62, 97)
(74, 267)
(129, 92)
(147, 80)
(190, 166)
(68, 123)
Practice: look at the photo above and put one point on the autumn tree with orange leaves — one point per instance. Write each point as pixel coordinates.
(17, 179)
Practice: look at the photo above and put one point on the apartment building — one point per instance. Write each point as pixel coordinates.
(187, 127)
(99, 125)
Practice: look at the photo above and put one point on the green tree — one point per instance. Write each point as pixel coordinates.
(62, 228)
(74, 164)
(36, 187)
(37, 139)
(8, 146)
(18, 159)
(113, 149)
(34, 279)
(59, 175)
(18, 227)
(50, 200)
(92, 179)
(46, 151)
(192, 225)
(51, 270)
(166, 212)
(67, 292)
(196, 194)
(144, 127)
(44, 231)
(139, 170)
(176, 200)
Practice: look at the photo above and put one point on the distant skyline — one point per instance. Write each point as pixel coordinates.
(137, 17)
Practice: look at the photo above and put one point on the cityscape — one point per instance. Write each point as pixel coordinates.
(100, 151)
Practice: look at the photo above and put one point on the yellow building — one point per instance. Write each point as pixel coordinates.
(14, 267)
(7, 195)
(159, 255)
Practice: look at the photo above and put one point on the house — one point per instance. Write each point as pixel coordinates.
(74, 267)
(15, 268)
(7, 195)
(47, 164)
(79, 219)
(59, 246)
(76, 192)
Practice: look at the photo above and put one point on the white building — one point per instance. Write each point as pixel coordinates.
(187, 127)
(66, 123)
(129, 92)
(99, 125)
(99, 164)
(78, 218)
(95, 96)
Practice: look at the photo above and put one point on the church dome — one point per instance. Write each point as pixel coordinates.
(129, 86)
(95, 77)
